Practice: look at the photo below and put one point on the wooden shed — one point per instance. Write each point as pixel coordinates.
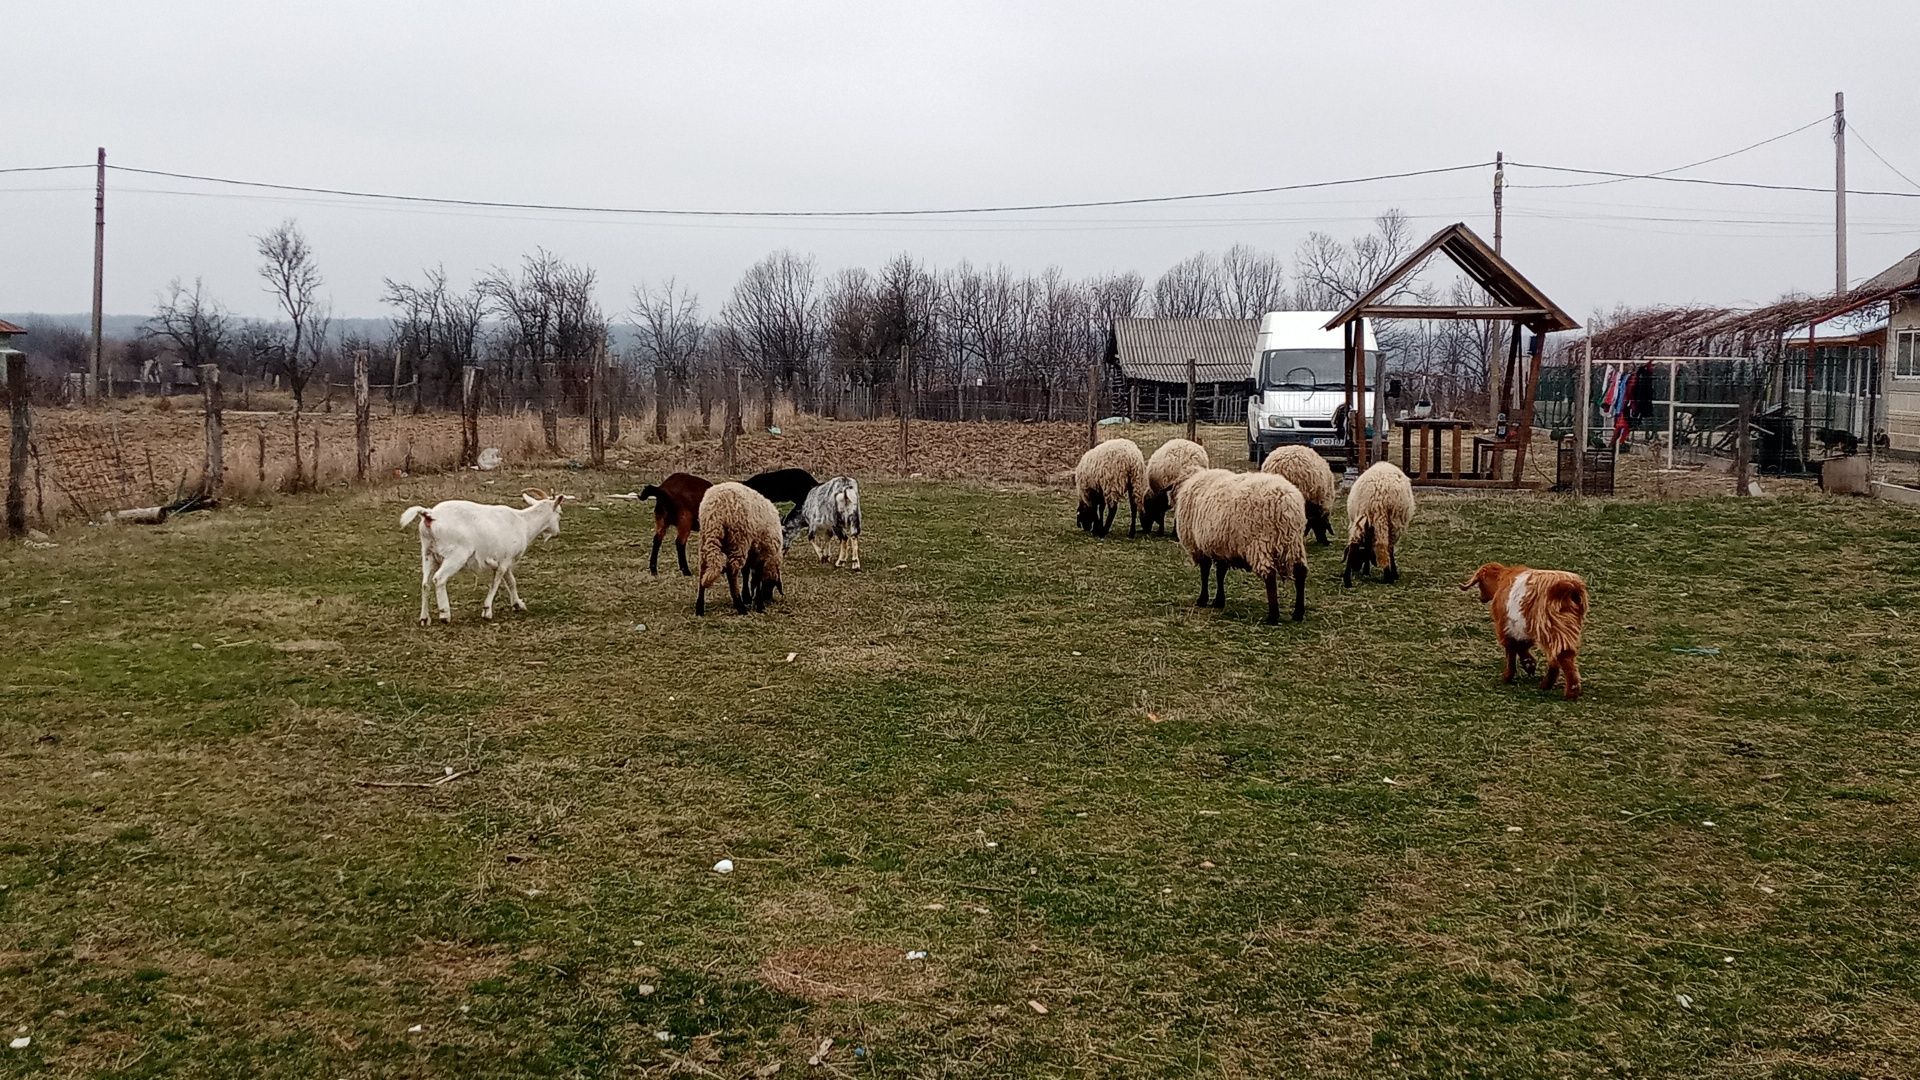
(1146, 369)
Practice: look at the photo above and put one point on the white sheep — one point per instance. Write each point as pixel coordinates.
(1379, 507)
(1172, 462)
(831, 511)
(1107, 475)
(1314, 477)
(456, 533)
(740, 537)
(1251, 521)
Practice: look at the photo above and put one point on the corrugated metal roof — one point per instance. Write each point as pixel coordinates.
(8, 328)
(1904, 272)
(1157, 350)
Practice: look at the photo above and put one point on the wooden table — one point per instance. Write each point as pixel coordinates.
(1434, 425)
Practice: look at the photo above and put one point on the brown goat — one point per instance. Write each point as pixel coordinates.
(676, 501)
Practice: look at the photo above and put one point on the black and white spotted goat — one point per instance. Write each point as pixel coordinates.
(830, 512)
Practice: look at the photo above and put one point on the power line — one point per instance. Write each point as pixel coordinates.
(42, 168)
(1692, 165)
(1854, 129)
(1708, 183)
(662, 212)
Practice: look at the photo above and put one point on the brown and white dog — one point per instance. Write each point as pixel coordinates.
(1547, 608)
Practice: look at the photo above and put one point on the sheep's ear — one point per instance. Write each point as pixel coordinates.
(1482, 579)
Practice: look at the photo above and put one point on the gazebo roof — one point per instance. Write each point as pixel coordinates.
(1514, 297)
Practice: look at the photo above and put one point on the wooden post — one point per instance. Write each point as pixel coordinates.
(95, 365)
(1346, 378)
(1536, 351)
(1582, 405)
(1133, 401)
(210, 401)
(1361, 444)
(19, 446)
(260, 457)
(1806, 404)
(596, 411)
(1193, 396)
(299, 466)
(393, 389)
(362, 417)
(469, 416)
(1742, 443)
(730, 419)
(659, 404)
(616, 397)
(550, 405)
(905, 394)
(1093, 403)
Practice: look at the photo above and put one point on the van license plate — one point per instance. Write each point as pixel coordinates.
(1326, 442)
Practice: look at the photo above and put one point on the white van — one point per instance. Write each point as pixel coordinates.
(1299, 383)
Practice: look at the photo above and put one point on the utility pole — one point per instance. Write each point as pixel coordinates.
(1839, 194)
(1499, 191)
(99, 264)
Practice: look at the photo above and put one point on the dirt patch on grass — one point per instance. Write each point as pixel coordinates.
(847, 972)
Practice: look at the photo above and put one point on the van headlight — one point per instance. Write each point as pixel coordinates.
(1278, 422)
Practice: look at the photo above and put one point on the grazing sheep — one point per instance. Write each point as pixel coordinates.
(831, 511)
(1379, 507)
(677, 501)
(456, 533)
(1108, 474)
(1174, 461)
(1314, 477)
(1532, 607)
(740, 537)
(783, 485)
(1250, 521)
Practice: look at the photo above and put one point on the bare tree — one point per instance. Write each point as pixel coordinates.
(1329, 274)
(775, 311)
(669, 327)
(1190, 289)
(193, 327)
(294, 282)
(1251, 283)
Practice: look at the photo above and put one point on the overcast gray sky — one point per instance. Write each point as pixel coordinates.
(882, 105)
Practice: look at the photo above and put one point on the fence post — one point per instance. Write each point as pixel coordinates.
(616, 395)
(730, 420)
(550, 404)
(905, 393)
(362, 416)
(1742, 443)
(659, 404)
(596, 411)
(260, 456)
(210, 401)
(20, 445)
(1193, 388)
(1583, 406)
(1093, 402)
(469, 416)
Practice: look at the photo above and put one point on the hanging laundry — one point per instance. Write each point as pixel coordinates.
(1640, 395)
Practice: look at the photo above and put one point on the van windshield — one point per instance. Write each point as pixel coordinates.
(1303, 369)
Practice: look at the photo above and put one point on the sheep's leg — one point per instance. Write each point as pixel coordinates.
(513, 591)
(1392, 572)
(1220, 584)
(1206, 569)
(680, 546)
(1133, 515)
(448, 568)
(486, 606)
(426, 584)
(733, 588)
(1570, 662)
(659, 534)
(1273, 598)
(1506, 673)
(1112, 510)
(1299, 591)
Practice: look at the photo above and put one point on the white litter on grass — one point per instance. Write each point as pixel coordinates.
(917, 954)
(416, 1029)
(790, 656)
(1708, 824)
(663, 1036)
(1513, 828)
(644, 989)
(724, 866)
(821, 1054)
(1685, 1001)
(21, 1043)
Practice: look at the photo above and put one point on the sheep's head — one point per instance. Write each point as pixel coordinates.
(1153, 510)
(791, 530)
(1318, 523)
(1360, 548)
(1089, 515)
(1484, 579)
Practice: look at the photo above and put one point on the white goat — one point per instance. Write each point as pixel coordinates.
(831, 511)
(457, 532)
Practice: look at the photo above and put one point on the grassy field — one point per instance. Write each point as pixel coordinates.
(1132, 838)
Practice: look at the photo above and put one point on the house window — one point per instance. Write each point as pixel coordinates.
(1906, 358)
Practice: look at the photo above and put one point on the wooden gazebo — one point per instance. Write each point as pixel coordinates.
(1512, 299)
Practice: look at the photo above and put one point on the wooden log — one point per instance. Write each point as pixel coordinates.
(469, 416)
(659, 404)
(549, 406)
(215, 441)
(362, 418)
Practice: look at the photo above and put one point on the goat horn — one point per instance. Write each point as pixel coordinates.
(535, 492)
